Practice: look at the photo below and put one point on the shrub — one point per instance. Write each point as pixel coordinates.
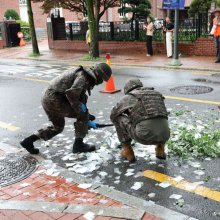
(11, 13)
(25, 29)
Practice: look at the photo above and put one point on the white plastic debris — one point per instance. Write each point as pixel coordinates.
(137, 185)
(164, 184)
(151, 195)
(199, 172)
(178, 178)
(175, 196)
(89, 216)
(84, 185)
(195, 164)
(25, 184)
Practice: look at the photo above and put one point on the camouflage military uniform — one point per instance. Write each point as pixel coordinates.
(63, 98)
(141, 115)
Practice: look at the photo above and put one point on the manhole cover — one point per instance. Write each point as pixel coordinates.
(191, 90)
(14, 168)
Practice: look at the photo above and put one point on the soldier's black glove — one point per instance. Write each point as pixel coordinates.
(91, 117)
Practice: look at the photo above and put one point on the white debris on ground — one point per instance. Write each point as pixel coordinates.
(89, 216)
(137, 185)
(164, 184)
(175, 196)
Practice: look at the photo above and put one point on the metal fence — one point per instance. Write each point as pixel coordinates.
(189, 30)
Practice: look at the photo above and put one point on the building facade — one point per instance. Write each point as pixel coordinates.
(111, 14)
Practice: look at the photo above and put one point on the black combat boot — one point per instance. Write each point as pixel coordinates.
(28, 144)
(80, 147)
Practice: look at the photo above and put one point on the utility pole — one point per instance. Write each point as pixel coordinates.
(175, 61)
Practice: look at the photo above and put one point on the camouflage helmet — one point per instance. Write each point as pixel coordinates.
(132, 84)
(103, 72)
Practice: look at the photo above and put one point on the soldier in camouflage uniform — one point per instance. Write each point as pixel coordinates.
(66, 97)
(141, 115)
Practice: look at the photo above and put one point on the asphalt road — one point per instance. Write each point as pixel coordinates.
(21, 85)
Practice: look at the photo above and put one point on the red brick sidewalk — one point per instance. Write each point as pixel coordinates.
(40, 187)
(190, 62)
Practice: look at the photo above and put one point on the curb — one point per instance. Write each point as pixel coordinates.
(140, 205)
(122, 212)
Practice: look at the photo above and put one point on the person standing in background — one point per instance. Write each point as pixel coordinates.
(169, 28)
(216, 32)
(149, 28)
(88, 39)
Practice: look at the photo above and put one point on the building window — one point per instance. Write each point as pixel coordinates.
(22, 2)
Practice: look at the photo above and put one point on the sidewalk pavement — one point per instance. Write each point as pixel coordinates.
(47, 197)
(200, 63)
(52, 192)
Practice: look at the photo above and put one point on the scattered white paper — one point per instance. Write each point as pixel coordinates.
(175, 196)
(151, 195)
(89, 216)
(199, 172)
(164, 184)
(178, 178)
(84, 185)
(25, 184)
(137, 185)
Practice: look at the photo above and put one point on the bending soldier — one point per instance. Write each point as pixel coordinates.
(141, 115)
(66, 97)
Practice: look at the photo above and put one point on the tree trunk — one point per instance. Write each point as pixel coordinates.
(93, 29)
(32, 29)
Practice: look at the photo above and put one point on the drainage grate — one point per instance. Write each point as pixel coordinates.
(191, 90)
(14, 168)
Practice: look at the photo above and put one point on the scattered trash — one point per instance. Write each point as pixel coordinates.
(178, 178)
(84, 185)
(164, 184)
(179, 203)
(151, 195)
(175, 196)
(137, 185)
(199, 172)
(89, 216)
(25, 184)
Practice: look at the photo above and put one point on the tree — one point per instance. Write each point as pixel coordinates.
(94, 9)
(11, 14)
(199, 7)
(140, 9)
(32, 29)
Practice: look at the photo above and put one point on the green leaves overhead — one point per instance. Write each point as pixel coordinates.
(140, 9)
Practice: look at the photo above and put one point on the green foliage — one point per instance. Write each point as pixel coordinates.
(140, 9)
(23, 23)
(11, 13)
(199, 7)
(194, 141)
(25, 29)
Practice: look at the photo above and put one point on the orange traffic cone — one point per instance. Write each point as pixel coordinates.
(110, 85)
(22, 42)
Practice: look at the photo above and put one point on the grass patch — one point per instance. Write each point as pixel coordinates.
(35, 55)
(88, 57)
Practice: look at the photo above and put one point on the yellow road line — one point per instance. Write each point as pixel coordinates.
(167, 97)
(192, 100)
(184, 185)
(8, 126)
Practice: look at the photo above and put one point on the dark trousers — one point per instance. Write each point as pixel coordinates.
(217, 46)
(149, 45)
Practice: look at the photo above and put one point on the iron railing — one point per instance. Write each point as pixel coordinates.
(189, 30)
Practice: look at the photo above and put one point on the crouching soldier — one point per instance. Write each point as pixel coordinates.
(141, 115)
(66, 97)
